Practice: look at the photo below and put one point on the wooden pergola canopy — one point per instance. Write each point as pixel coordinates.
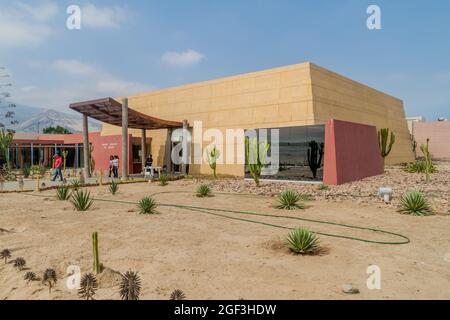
(109, 111)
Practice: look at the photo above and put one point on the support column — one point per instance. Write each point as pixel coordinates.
(185, 155)
(124, 138)
(86, 146)
(76, 157)
(168, 151)
(31, 154)
(143, 148)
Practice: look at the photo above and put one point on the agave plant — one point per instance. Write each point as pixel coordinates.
(416, 204)
(303, 241)
(147, 206)
(75, 184)
(49, 278)
(88, 286)
(114, 187)
(177, 295)
(290, 200)
(19, 263)
(5, 254)
(81, 200)
(62, 193)
(163, 180)
(203, 191)
(30, 276)
(130, 286)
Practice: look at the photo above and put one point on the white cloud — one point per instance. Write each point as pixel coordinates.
(43, 12)
(28, 88)
(182, 59)
(77, 81)
(25, 25)
(103, 17)
(74, 67)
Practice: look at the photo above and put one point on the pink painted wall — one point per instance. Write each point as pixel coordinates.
(351, 152)
(104, 146)
(439, 135)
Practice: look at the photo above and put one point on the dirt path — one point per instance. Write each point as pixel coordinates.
(211, 257)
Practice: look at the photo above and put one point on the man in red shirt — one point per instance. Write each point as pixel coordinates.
(58, 165)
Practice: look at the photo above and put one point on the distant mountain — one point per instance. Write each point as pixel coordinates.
(23, 112)
(52, 118)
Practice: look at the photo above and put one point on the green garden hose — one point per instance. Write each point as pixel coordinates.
(218, 212)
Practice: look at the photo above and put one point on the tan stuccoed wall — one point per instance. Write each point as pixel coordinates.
(277, 97)
(341, 98)
(300, 94)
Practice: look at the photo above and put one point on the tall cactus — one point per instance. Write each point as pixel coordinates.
(212, 156)
(315, 155)
(428, 160)
(97, 266)
(385, 147)
(64, 154)
(256, 157)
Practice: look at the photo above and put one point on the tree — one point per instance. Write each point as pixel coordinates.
(56, 130)
(6, 118)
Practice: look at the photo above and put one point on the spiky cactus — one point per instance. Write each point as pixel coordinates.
(429, 167)
(212, 155)
(64, 155)
(88, 286)
(177, 295)
(315, 155)
(130, 286)
(19, 263)
(96, 266)
(255, 157)
(385, 142)
(30, 276)
(49, 279)
(5, 254)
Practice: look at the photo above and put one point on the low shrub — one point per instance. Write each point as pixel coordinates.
(415, 203)
(290, 200)
(147, 206)
(114, 187)
(203, 191)
(163, 180)
(418, 166)
(303, 241)
(62, 193)
(81, 200)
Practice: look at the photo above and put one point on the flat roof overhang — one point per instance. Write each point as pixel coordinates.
(109, 110)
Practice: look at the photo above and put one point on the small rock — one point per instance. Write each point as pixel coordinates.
(349, 289)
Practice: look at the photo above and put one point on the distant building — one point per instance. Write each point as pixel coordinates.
(412, 120)
(438, 133)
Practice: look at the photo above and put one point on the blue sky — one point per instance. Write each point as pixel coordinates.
(126, 47)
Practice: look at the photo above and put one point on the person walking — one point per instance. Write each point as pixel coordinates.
(116, 166)
(58, 165)
(111, 166)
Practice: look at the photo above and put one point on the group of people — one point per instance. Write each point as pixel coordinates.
(114, 166)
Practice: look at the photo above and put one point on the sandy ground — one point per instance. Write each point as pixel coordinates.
(211, 257)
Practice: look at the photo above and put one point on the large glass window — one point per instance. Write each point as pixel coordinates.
(296, 145)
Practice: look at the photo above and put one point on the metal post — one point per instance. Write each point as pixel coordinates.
(185, 155)
(124, 138)
(76, 156)
(86, 146)
(143, 148)
(17, 155)
(31, 154)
